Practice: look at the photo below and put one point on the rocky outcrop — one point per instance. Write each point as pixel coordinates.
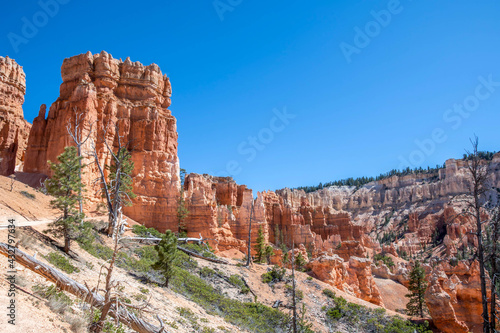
(14, 129)
(219, 210)
(353, 276)
(330, 269)
(361, 280)
(108, 92)
(442, 312)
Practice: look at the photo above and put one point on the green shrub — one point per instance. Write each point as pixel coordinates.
(207, 272)
(52, 292)
(329, 293)
(385, 259)
(254, 317)
(61, 262)
(89, 240)
(362, 318)
(142, 231)
(199, 249)
(276, 274)
(237, 281)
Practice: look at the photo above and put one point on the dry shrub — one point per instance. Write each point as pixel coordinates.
(78, 323)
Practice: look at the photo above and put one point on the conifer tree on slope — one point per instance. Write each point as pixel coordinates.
(417, 287)
(260, 247)
(65, 185)
(167, 253)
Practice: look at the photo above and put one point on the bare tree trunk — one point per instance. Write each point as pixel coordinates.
(80, 199)
(75, 131)
(65, 283)
(294, 305)
(66, 235)
(97, 328)
(249, 253)
(495, 234)
(479, 187)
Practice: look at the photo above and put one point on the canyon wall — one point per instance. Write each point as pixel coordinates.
(14, 129)
(116, 101)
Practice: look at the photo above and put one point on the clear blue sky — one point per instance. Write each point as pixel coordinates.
(356, 118)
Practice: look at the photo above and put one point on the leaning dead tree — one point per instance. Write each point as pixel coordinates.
(75, 130)
(81, 291)
(156, 240)
(118, 190)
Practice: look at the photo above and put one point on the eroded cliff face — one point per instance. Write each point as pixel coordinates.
(116, 101)
(14, 129)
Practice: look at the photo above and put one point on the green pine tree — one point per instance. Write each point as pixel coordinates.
(269, 252)
(417, 287)
(300, 262)
(182, 211)
(167, 253)
(65, 186)
(260, 247)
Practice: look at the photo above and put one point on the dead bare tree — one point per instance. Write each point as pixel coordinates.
(493, 238)
(112, 294)
(81, 291)
(479, 188)
(75, 130)
(294, 305)
(118, 190)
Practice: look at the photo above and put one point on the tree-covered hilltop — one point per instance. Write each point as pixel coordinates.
(360, 181)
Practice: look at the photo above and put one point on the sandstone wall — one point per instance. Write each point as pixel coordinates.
(14, 129)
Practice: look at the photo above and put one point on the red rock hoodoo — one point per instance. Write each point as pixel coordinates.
(14, 129)
(134, 97)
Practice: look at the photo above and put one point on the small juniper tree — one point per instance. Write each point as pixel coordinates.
(65, 186)
(269, 252)
(167, 253)
(300, 262)
(260, 247)
(417, 287)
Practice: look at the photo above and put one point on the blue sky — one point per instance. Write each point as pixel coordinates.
(235, 64)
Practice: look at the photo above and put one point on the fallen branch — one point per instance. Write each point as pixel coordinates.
(191, 253)
(225, 278)
(65, 283)
(194, 254)
(24, 291)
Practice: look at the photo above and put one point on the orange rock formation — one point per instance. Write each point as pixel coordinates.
(14, 129)
(106, 91)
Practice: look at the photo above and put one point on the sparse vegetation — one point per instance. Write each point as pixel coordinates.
(384, 259)
(61, 262)
(254, 317)
(237, 281)
(276, 274)
(142, 231)
(357, 317)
